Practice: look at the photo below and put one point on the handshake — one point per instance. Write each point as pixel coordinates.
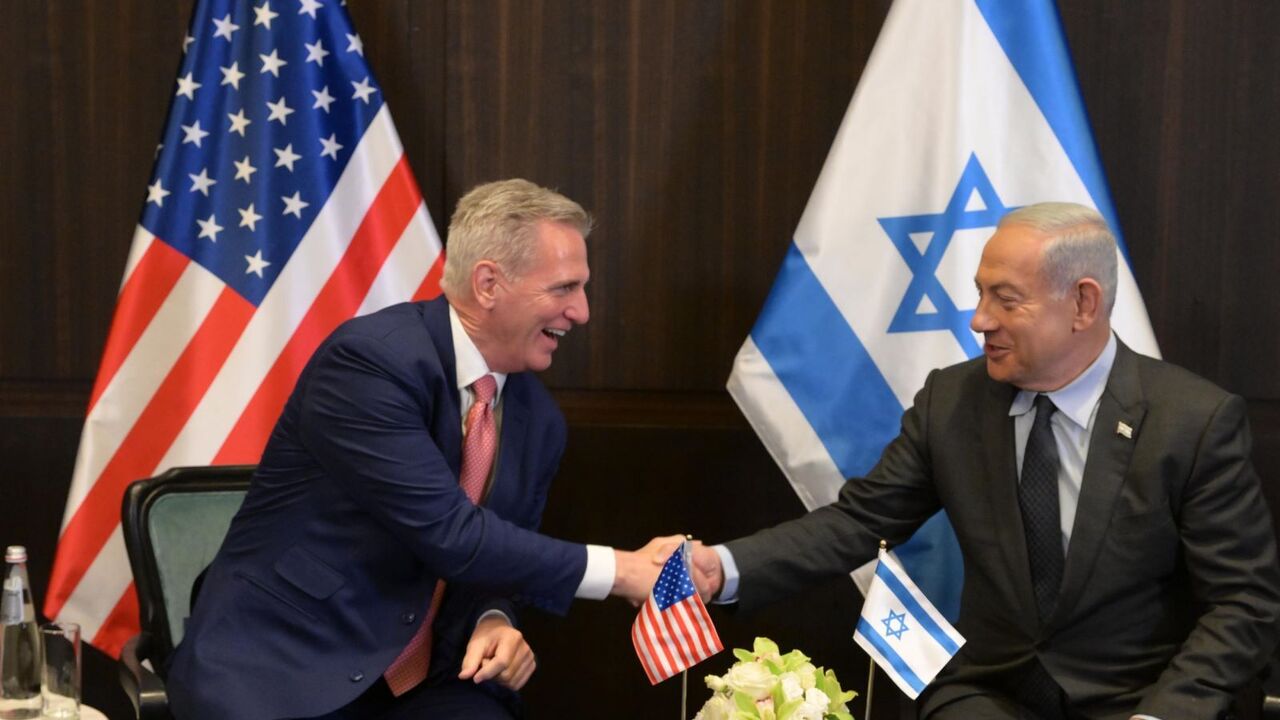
(636, 572)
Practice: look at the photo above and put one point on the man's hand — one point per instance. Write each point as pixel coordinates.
(498, 652)
(708, 575)
(636, 572)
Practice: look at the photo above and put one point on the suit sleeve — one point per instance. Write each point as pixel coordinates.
(894, 499)
(364, 418)
(1230, 552)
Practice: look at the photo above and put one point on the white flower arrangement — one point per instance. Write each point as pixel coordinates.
(767, 685)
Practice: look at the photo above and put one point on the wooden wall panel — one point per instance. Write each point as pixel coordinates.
(694, 131)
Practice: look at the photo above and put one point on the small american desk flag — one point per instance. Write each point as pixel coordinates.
(673, 631)
(281, 204)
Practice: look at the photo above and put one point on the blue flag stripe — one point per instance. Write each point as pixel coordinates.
(895, 660)
(1032, 38)
(914, 609)
(825, 368)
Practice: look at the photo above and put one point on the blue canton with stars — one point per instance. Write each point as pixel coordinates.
(269, 104)
(924, 264)
(673, 583)
(889, 630)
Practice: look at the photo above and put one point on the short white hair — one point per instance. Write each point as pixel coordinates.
(1080, 246)
(496, 221)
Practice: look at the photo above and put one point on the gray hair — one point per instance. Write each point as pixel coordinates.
(1080, 246)
(496, 221)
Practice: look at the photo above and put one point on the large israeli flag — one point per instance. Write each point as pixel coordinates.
(966, 110)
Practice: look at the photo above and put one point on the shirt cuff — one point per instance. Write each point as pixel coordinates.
(492, 613)
(597, 581)
(1144, 717)
(729, 590)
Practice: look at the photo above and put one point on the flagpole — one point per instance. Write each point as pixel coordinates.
(871, 677)
(684, 694)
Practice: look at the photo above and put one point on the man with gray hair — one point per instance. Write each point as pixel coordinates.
(1119, 556)
(389, 531)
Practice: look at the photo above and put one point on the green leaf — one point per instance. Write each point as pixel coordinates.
(743, 655)
(765, 646)
(838, 716)
(746, 704)
(773, 666)
(786, 709)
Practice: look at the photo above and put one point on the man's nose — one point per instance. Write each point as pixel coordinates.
(981, 322)
(579, 310)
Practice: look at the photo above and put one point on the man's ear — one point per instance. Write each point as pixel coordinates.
(484, 283)
(1088, 301)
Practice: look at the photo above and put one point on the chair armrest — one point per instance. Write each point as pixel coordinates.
(144, 688)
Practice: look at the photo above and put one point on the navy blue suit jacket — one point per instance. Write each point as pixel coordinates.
(355, 512)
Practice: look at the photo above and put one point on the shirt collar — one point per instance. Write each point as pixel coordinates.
(470, 363)
(1078, 399)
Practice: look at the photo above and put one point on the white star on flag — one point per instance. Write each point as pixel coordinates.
(232, 75)
(202, 182)
(285, 157)
(245, 170)
(238, 122)
(209, 228)
(186, 43)
(316, 53)
(362, 90)
(156, 193)
(331, 146)
(225, 27)
(193, 133)
(256, 264)
(262, 15)
(323, 98)
(355, 44)
(309, 7)
(272, 63)
(279, 111)
(249, 218)
(294, 205)
(187, 86)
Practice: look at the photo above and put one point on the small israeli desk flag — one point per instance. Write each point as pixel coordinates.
(902, 631)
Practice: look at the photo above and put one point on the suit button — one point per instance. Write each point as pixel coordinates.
(357, 676)
(408, 618)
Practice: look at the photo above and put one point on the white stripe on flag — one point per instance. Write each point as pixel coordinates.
(408, 263)
(101, 587)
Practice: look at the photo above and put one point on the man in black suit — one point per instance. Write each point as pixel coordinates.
(1119, 557)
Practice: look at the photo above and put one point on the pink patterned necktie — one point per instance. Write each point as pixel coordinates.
(477, 459)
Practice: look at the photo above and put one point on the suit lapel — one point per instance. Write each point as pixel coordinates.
(1104, 471)
(448, 431)
(515, 418)
(1001, 467)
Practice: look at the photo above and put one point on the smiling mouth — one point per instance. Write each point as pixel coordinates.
(554, 333)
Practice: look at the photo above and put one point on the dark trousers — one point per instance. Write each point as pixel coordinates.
(450, 699)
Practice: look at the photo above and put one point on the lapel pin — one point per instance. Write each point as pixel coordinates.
(1122, 428)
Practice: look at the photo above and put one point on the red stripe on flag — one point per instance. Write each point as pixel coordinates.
(695, 614)
(337, 301)
(140, 299)
(430, 287)
(680, 630)
(656, 670)
(654, 621)
(147, 442)
(120, 625)
(642, 652)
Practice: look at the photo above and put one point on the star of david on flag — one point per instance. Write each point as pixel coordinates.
(967, 109)
(281, 204)
(902, 631)
(673, 631)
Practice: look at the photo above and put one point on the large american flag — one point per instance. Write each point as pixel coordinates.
(281, 205)
(673, 631)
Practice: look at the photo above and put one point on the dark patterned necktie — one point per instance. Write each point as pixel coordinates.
(1038, 498)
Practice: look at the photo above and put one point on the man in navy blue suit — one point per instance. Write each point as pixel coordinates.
(355, 520)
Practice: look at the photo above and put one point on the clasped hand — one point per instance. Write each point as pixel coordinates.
(636, 572)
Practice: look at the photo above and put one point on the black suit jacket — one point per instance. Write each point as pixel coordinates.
(354, 513)
(1171, 592)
